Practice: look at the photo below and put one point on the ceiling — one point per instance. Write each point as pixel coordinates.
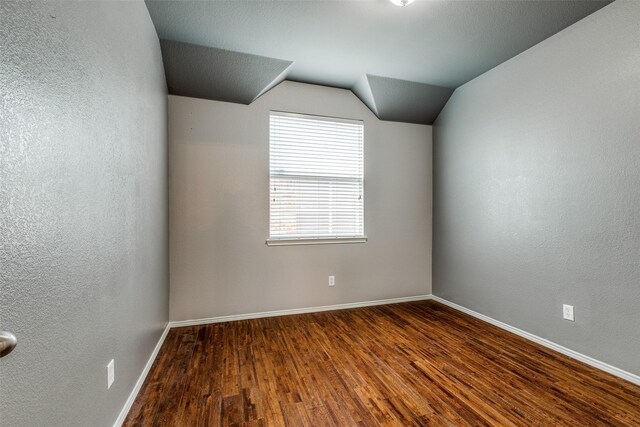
(398, 60)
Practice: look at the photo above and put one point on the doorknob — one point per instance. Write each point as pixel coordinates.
(8, 342)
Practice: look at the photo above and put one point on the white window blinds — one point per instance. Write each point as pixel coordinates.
(316, 176)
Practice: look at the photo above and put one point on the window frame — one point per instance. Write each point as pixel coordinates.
(320, 240)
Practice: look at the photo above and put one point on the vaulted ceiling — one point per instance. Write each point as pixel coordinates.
(402, 62)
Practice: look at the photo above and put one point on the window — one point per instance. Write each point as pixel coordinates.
(316, 179)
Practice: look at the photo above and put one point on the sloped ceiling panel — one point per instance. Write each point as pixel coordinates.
(218, 74)
(363, 91)
(400, 100)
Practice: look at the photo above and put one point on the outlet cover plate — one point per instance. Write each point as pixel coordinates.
(567, 312)
(111, 374)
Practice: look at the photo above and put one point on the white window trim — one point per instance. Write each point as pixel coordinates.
(289, 241)
(316, 241)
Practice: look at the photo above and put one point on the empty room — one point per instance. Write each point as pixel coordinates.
(320, 213)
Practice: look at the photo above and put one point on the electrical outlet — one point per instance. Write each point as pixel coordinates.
(111, 374)
(332, 280)
(567, 312)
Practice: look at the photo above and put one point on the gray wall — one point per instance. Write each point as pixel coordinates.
(536, 189)
(83, 207)
(219, 204)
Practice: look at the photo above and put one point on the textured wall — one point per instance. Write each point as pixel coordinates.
(83, 207)
(219, 202)
(536, 201)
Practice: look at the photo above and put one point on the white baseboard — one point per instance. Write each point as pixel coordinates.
(544, 342)
(134, 393)
(220, 319)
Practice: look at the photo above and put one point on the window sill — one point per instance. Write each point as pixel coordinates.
(327, 241)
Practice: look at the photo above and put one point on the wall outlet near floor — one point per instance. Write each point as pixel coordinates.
(567, 312)
(332, 280)
(111, 374)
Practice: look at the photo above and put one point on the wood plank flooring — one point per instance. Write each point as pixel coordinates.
(405, 364)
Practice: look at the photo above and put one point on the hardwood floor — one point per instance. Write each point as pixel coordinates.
(406, 364)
